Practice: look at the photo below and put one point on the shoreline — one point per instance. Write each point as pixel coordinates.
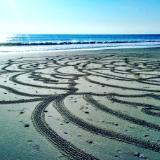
(26, 50)
(107, 50)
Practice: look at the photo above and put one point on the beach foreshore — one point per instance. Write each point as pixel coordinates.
(83, 104)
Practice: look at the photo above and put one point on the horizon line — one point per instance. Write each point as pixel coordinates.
(84, 33)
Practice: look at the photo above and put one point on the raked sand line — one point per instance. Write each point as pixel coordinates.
(66, 147)
(59, 105)
(120, 68)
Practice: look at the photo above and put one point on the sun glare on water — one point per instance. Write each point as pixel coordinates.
(5, 38)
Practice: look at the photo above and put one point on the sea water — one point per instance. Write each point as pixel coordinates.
(52, 42)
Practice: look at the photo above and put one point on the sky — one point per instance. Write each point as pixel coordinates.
(79, 16)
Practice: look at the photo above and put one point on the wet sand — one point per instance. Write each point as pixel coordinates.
(100, 104)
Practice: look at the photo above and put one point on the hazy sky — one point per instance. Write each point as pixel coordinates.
(79, 16)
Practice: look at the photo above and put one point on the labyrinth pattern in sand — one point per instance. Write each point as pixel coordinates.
(122, 87)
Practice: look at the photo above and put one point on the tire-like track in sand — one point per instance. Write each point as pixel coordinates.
(38, 120)
(123, 69)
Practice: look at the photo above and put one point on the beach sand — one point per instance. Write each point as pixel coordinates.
(100, 104)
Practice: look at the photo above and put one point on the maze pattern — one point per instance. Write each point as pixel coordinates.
(105, 82)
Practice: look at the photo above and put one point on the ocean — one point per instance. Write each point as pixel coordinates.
(53, 42)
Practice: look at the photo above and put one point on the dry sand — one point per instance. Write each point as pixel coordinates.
(80, 105)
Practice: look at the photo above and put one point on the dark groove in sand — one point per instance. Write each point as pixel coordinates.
(98, 131)
(121, 69)
(38, 120)
(120, 115)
